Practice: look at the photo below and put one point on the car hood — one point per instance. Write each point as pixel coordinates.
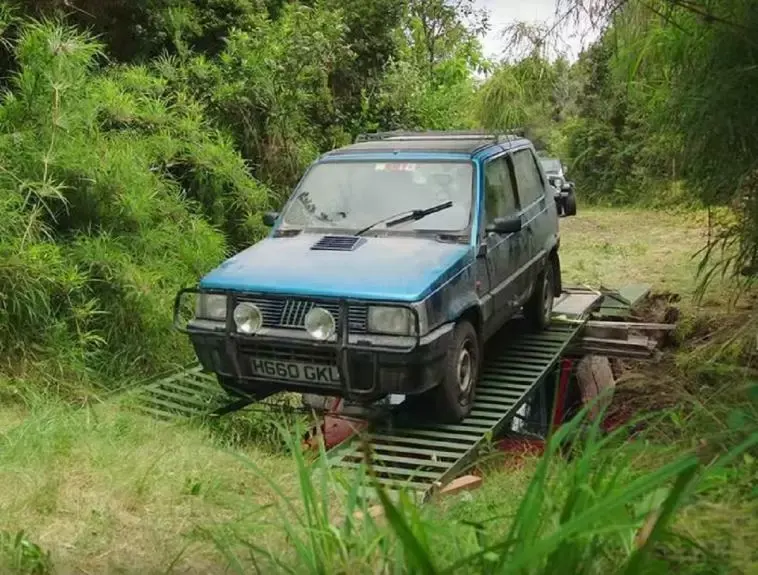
(379, 268)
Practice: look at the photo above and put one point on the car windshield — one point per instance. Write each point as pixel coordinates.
(551, 165)
(355, 194)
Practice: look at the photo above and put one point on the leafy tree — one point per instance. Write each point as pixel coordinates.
(440, 30)
(141, 29)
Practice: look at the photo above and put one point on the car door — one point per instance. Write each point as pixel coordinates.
(503, 250)
(530, 186)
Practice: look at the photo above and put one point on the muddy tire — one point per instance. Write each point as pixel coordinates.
(538, 310)
(453, 398)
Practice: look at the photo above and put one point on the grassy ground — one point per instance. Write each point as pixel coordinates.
(611, 248)
(107, 491)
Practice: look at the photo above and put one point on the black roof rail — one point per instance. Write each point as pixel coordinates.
(441, 135)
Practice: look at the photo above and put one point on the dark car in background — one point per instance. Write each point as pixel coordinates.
(565, 196)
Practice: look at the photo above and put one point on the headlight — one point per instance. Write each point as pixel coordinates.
(211, 306)
(248, 318)
(391, 320)
(320, 324)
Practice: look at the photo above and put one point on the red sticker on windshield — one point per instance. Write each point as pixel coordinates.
(395, 167)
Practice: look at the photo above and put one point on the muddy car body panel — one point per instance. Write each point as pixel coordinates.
(335, 302)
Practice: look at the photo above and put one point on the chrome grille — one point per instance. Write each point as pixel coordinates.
(290, 313)
(294, 312)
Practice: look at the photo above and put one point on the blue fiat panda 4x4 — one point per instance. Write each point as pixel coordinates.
(392, 263)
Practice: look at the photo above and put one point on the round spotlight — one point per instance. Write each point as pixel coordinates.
(248, 318)
(320, 324)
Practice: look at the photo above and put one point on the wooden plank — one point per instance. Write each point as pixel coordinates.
(630, 325)
(634, 343)
(465, 483)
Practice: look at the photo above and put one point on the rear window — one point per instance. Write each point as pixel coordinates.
(551, 165)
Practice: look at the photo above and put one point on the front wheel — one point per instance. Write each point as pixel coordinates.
(539, 309)
(453, 398)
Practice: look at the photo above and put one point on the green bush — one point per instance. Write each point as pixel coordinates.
(114, 193)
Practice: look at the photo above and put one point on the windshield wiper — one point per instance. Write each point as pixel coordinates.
(410, 216)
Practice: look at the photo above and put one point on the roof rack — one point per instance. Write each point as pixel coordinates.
(400, 135)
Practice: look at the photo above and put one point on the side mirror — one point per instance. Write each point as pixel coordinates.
(269, 218)
(505, 225)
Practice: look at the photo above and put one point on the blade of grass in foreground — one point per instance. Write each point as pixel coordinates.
(636, 562)
(585, 511)
(415, 551)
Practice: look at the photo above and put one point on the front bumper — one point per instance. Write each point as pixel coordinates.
(359, 367)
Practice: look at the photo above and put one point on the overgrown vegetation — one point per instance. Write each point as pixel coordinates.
(102, 211)
(105, 490)
(658, 111)
(140, 141)
(130, 168)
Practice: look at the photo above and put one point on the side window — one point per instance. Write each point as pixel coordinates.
(499, 196)
(530, 185)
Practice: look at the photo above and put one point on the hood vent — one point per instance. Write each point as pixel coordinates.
(338, 243)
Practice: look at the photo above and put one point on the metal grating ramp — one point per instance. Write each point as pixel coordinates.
(188, 393)
(424, 456)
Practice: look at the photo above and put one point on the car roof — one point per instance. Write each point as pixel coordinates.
(468, 143)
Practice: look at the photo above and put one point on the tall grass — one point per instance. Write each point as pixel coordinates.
(596, 512)
(114, 192)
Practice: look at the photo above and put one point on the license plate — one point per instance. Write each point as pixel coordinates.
(295, 371)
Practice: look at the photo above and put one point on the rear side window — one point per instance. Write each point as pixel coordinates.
(528, 178)
(500, 198)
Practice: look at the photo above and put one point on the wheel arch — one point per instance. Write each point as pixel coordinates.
(473, 314)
